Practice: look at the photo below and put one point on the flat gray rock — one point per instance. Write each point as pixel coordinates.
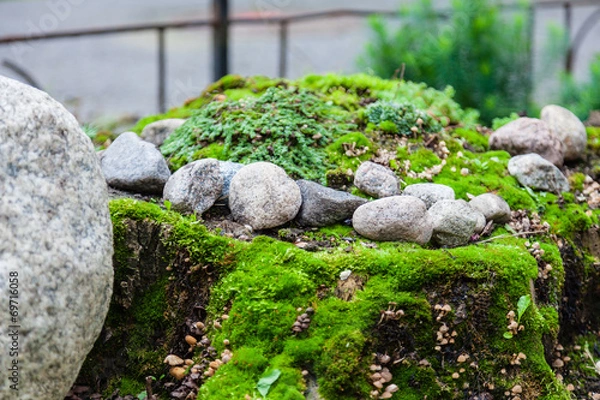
(537, 173)
(492, 206)
(55, 245)
(322, 206)
(430, 193)
(195, 187)
(134, 165)
(158, 131)
(454, 222)
(263, 196)
(403, 218)
(228, 171)
(568, 128)
(376, 180)
(528, 135)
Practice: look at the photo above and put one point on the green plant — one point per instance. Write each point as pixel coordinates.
(581, 98)
(264, 384)
(522, 306)
(286, 126)
(403, 119)
(481, 53)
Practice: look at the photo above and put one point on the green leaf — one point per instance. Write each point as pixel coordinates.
(522, 306)
(508, 335)
(142, 396)
(264, 384)
(168, 205)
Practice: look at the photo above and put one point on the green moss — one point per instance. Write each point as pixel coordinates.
(576, 181)
(478, 141)
(356, 141)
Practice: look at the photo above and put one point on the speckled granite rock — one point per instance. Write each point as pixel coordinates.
(322, 206)
(568, 128)
(537, 173)
(158, 131)
(263, 196)
(55, 244)
(195, 187)
(394, 218)
(376, 180)
(134, 165)
(430, 193)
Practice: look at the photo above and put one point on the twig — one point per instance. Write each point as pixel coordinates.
(509, 235)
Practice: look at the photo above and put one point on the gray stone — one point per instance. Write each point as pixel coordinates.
(134, 165)
(481, 222)
(568, 128)
(263, 196)
(454, 222)
(402, 218)
(537, 173)
(430, 193)
(55, 243)
(195, 187)
(376, 180)
(492, 206)
(323, 206)
(528, 135)
(158, 131)
(228, 171)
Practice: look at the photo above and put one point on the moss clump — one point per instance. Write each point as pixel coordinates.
(288, 127)
(401, 119)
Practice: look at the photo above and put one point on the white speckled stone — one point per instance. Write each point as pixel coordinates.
(568, 128)
(430, 193)
(158, 131)
(454, 222)
(195, 187)
(492, 206)
(263, 196)
(376, 180)
(394, 218)
(56, 234)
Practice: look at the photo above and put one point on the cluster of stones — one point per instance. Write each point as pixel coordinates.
(261, 195)
(540, 147)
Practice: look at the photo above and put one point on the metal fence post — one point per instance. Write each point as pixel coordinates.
(162, 72)
(568, 19)
(220, 38)
(283, 45)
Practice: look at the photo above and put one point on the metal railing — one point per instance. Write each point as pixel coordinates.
(221, 22)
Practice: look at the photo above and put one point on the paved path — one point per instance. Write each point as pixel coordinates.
(115, 75)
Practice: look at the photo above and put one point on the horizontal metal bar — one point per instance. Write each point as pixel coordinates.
(107, 30)
(250, 21)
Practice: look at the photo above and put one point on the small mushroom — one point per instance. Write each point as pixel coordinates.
(386, 395)
(177, 373)
(173, 360)
(392, 388)
(189, 339)
(517, 389)
(558, 363)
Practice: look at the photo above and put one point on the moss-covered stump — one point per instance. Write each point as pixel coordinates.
(440, 315)
(325, 314)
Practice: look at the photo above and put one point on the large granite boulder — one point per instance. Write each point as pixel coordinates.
(528, 135)
(263, 196)
(195, 187)
(538, 173)
(568, 128)
(322, 206)
(134, 165)
(55, 245)
(394, 218)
